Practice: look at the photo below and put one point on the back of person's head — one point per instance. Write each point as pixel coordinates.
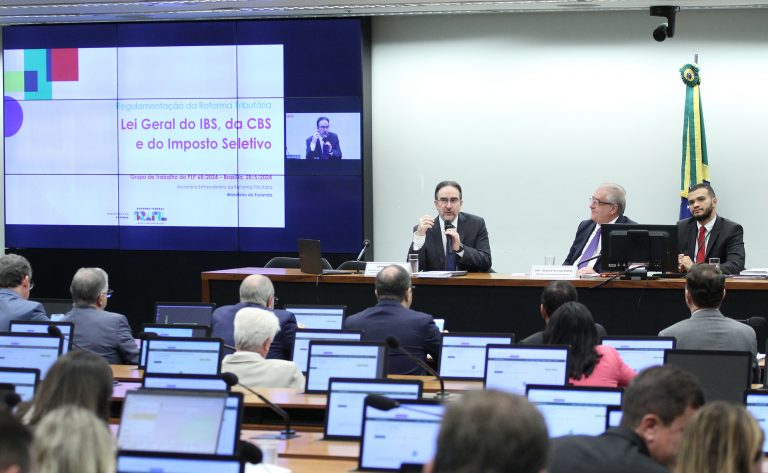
(393, 283)
(15, 443)
(490, 431)
(705, 284)
(556, 294)
(721, 438)
(256, 289)
(665, 391)
(253, 326)
(572, 324)
(87, 285)
(80, 378)
(71, 439)
(13, 269)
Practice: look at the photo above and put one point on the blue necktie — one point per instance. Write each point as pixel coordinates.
(450, 255)
(590, 251)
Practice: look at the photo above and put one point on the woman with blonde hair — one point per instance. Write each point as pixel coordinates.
(721, 438)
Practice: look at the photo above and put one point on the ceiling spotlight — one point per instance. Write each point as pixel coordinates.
(664, 30)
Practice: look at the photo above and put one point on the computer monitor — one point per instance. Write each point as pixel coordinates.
(344, 416)
(166, 330)
(330, 317)
(613, 417)
(512, 367)
(184, 355)
(573, 410)
(55, 308)
(197, 313)
(627, 245)
(327, 359)
(24, 381)
(41, 326)
(757, 405)
(202, 382)
(171, 420)
(723, 375)
(30, 350)
(405, 434)
(462, 354)
(640, 352)
(303, 336)
(154, 462)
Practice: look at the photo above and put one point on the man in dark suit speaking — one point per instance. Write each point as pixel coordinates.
(454, 240)
(606, 205)
(323, 144)
(707, 235)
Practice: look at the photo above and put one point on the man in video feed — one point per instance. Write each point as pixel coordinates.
(324, 144)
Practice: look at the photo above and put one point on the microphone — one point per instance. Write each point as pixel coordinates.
(366, 244)
(588, 259)
(231, 379)
(384, 403)
(11, 399)
(394, 343)
(449, 225)
(55, 331)
(250, 453)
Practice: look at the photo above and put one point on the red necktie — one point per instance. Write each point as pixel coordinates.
(701, 251)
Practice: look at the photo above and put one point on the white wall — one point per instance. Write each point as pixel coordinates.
(530, 112)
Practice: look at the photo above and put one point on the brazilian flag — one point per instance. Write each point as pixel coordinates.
(695, 166)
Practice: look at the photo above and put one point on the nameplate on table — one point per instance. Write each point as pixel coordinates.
(540, 271)
(372, 268)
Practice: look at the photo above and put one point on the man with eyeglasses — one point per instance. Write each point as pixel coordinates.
(454, 240)
(324, 144)
(15, 286)
(707, 235)
(104, 333)
(606, 205)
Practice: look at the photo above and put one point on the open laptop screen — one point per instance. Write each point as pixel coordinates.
(183, 313)
(344, 416)
(184, 355)
(165, 330)
(757, 405)
(353, 359)
(640, 352)
(511, 367)
(330, 317)
(23, 379)
(572, 410)
(723, 375)
(147, 462)
(303, 336)
(462, 355)
(405, 434)
(30, 350)
(31, 326)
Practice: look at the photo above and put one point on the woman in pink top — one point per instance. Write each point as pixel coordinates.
(589, 364)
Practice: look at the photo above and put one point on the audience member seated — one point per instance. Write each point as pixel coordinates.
(656, 407)
(721, 438)
(490, 431)
(254, 331)
(589, 364)
(553, 296)
(15, 444)
(71, 439)
(392, 316)
(15, 285)
(107, 334)
(257, 291)
(79, 378)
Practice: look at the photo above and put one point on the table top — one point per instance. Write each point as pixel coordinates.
(305, 445)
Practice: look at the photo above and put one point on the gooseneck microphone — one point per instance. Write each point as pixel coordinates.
(55, 331)
(366, 244)
(250, 453)
(231, 379)
(394, 343)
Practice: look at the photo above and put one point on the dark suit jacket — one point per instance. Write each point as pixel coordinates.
(538, 337)
(416, 332)
(335, 153)
(15, 307)
(726, 241)
(223, 326)
(106, 334)
(474, 237)
(585, 229)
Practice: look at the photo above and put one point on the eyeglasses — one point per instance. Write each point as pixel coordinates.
(446, 200)
(108, 293)
(594, 201)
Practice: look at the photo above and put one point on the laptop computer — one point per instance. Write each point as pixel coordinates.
(24, 381)
(344, 415)
(167, 330)
(723, 375)
(157, 462)
(30, 350)
(310, 259)
(184, 355)
(197, 313)
(352, 359)
(640, 352)
(512, 367)
(573, 410)
(329, 317)
(462, 354)
(41, 326)
(202, 382)
(303, 336)
(757, 405)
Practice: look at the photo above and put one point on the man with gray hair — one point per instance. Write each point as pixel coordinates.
(606, 205)
(15, 285)
(106, 334)
(257, 291)
(255, 329)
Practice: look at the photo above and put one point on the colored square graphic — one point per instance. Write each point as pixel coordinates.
(14, 81)
(35, 61)
(64, 64)
(30, 81)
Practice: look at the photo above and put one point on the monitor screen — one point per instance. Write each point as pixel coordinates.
(30, 350)
(628, 245)
(462, 355)
(353, 359)
(405, 434)
(512, 367)
(145, 462)
(303, 336)
(27, 326)
(55, 308)
(723, 375)
(757, 405)
(344, 416)
(164, 330)
(23, 379)
(183, 313)
(184, 355)
(184, 381)
(574, 410)
(613, 417)
(171, 421)
(640, 352)
(327, 317)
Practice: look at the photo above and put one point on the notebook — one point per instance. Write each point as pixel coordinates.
(184, 355)
(30, 350)
(512, 367)
(197, 313)
(574, 410)
(352, 359)
(462, 355)
(166, 330)
(24, 381)
(640, 352)
(154, 462)
(723, 375)
(303, 336)
(31, 326)
(329, 317)
(311, 259)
